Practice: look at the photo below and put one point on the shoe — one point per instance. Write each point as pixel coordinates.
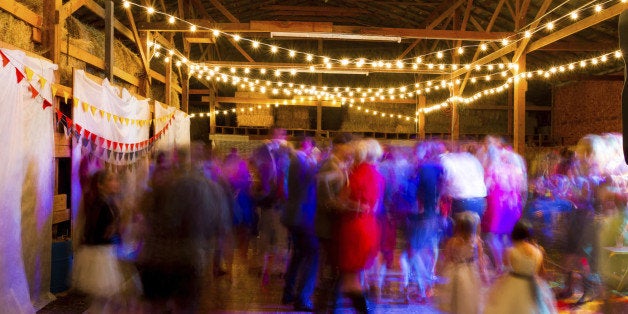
(306, 306)
(361, 303)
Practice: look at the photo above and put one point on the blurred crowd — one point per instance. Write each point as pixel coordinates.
(466, 223)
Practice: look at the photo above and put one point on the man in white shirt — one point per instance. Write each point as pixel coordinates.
(464, 182)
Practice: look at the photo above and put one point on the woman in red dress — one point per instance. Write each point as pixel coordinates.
(358, 229)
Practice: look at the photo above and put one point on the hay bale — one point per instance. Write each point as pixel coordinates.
(16, 32)
(36, 6)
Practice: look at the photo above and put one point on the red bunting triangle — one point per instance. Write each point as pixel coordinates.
(19, 75)
(33, 91)
(87, 134)
(59, 113)
(78, 128)
(126, 146)
(115, 145)
(108, 143)
(46, 104)
(101, 141)
(94, 137)
(5, 60)
(69, 121)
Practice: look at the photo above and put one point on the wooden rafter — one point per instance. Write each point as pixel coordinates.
(432, 24)
(70, 7)
(533, 25)
(578, 26)
(138, 42)
(325, 27)
(523, 12)
(100, 11)
(465, 20)
(232, 19)
(511, 10)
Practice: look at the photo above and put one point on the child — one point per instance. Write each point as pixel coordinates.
(522, 290)
(464, 263)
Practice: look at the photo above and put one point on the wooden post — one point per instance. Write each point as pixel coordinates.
(168, 86)
(109, 21)
(319, 104)
(455, 115)
(212, 111)
(511, 105)
(52, 31)
(421, 103)
(185, 91)
(519, 113)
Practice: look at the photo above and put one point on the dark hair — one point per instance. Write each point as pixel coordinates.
(522, 231)
(342, 138)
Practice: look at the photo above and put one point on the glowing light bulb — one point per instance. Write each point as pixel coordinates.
(527, 34)
(550, 26)
(505, 41)
(439, 55)
(262, 71)
(255, 44)
(292, 53)
(309, 57)
(399, 64)
(483, 47)
(574, 15)
(325, 60)
(126, 4)
(236, 37)
(419, 60)
(598, 8)
(344, 62)
(460, 50)
(166, 59)
(171, 19)
(193, 28)
(216, 33)
(150, 10)
(273, 49)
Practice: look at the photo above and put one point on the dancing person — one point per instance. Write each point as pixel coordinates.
(97, 270)
(522, 291)
(464, 268)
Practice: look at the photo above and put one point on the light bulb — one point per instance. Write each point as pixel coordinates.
(216, 33)
(399, 64)
(292, 53)
(598, 8)
(483, 47)
(574, 15)
(419, 60)
(150, 10)
(527, 34)
(618, 54)
(344, 62)
(273, 49)
(236, 37)
(505, 41)
(460, 50)
(439, 55)
(171, 19)
(550, 26)
(126, 4)
(255, 44)
(309, 57)
(262, 71)
(193, 28)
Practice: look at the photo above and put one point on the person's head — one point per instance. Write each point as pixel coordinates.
(368, 150)
(307, 144)
(341, 147)
(522, 231)
(105, 182)
(466, 224)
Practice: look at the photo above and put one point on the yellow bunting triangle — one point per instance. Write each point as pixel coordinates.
(108, 116)
(65, 95)
(42, 82)
(102, 113)
(54, 90)
(75, 101)
(29, 73)
(93, 109)
(85, 106)
(116, 119)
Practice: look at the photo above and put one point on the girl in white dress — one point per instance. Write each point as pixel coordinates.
(521, 291)
(461, 292)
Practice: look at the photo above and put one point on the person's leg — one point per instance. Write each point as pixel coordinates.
(292, 272)
(309, 268)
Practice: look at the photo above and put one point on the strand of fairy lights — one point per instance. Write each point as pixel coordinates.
(451, 100)
(550, 26)
(293, 71)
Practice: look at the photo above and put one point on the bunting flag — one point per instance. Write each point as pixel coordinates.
(66, 95)
(5, 60)
(54, 90)
(29, 73)
(19, 75)
(33, 91)
(75, 102)
(85, 106)
(46, 104)
(69, 122)
(108, 116)
(93, 110)
(59, 115)
(42, 83)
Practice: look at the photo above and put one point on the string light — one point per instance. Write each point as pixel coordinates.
(171, 19)
(574, 15)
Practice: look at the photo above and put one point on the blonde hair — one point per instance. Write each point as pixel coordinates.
(368, 150)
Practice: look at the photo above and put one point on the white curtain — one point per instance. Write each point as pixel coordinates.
(109, 99)
(178, 134)
(26, 170)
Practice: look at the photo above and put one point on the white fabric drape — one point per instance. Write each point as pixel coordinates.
(122, 104)
(27, 187)
(178, 134)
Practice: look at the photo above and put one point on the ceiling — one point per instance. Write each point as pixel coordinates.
(423, 28)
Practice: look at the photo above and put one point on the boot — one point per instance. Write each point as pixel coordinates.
(361, 303)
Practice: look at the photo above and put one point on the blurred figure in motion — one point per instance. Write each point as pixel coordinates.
(180, 216)
(270, 162)
(464, 268)
(522, 291)
(299, 219)
(332, 178)
(96, 270)
(358, 230)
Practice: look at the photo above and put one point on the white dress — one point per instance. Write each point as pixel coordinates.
(461, 292)
(521, 291)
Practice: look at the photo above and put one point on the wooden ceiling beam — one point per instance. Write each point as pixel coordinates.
(314, 27)
(578, 26)
(232, 19)
(465, 20)
(434, 21)
(70, 7)
(22, 12)
(537, 20)
(117, 25)
(580, 46)
(138, 41)
(322, 10)
(523, 12)
(280, 101)
(305, 66)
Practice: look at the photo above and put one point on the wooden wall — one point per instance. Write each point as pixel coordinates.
(585, 107)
